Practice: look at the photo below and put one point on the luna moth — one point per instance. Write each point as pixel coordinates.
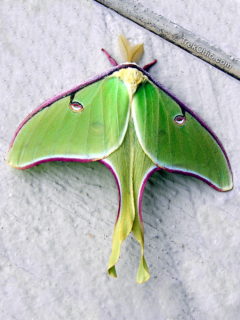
(129, 122)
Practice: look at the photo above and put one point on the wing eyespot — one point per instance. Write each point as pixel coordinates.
(76, 106)
(180, 120)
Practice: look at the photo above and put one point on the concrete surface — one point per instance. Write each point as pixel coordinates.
(56, 220)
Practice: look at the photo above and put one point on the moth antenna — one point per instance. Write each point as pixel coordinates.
(110, 58)
(130, 53)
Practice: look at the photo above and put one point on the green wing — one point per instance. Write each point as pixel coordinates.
(175, 140)
(85, 125)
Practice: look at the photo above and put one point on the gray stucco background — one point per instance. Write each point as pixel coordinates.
(57, 219)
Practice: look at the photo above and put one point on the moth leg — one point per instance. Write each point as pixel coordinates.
(110, 58)
(149, 65)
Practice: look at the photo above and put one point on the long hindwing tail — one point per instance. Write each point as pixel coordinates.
(131, 168)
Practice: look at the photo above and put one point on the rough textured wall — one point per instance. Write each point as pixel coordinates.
(57, 219)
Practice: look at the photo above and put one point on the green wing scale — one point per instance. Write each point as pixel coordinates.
(175, 140)
(128, 122)
(84, 125)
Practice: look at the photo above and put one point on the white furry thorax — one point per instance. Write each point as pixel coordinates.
(132, 77)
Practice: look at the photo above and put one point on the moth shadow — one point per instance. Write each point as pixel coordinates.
(170, 207)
